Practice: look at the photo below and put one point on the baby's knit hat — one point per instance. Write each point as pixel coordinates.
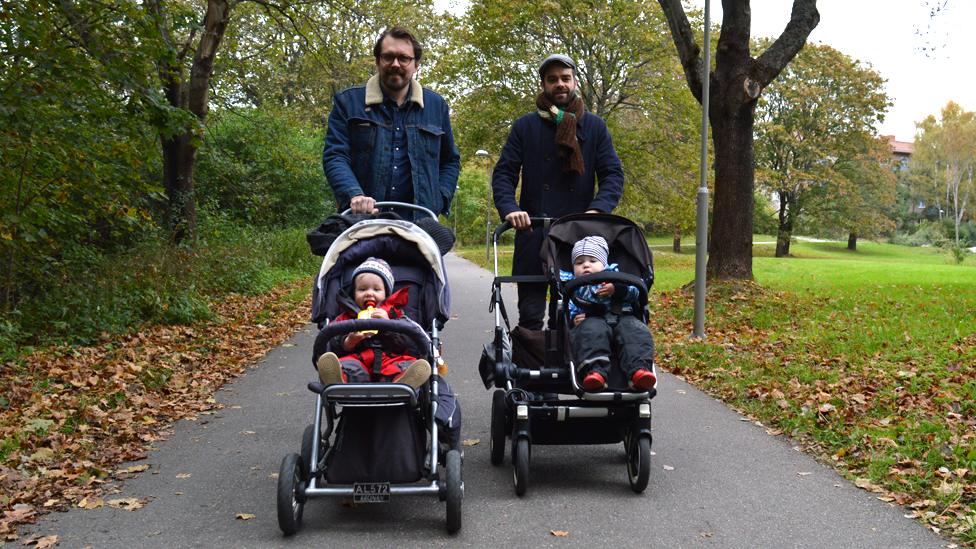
(378, 267)
(593, 246)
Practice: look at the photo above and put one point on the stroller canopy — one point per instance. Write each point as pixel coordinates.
(628, 247)
(412, 254)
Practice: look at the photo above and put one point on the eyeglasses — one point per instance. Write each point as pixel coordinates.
(389, 58)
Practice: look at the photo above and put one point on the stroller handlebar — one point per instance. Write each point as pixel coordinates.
(410, 329)
(569, 289)
(405, 205)
(536, 223)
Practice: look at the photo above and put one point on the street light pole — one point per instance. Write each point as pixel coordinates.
(701, 238)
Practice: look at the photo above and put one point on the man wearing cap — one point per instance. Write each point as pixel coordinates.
(567, 164)
(391, 140)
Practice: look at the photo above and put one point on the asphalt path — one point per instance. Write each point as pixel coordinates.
(717, 480)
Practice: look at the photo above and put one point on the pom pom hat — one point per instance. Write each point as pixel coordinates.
(380, 268)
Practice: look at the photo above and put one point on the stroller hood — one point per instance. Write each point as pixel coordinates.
(628, 247)
(412, 253)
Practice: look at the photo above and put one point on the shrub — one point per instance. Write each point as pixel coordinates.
(263, 169)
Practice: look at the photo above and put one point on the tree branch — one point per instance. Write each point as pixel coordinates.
(803, 19)
(684, 41)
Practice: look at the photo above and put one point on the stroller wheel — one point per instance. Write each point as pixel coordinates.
(455, 491)
(639, 462)
(520, 459)
(291, 494)
(499, 427)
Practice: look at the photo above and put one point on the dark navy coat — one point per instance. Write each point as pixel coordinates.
(548, 191)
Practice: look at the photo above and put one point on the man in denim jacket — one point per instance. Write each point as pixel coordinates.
(391, 139)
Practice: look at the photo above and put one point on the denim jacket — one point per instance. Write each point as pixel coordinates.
(587, 294)
(358, 153)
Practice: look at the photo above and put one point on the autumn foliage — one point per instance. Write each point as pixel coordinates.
(71, 415)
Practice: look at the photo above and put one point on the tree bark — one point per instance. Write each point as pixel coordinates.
(676, 242)
(734, 88)
(852, 241)
(784, 232)
(180, 150)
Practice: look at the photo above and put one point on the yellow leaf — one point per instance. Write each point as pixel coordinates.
(559, 533)
(135, 468)
(244, 516)
(129, 504)
(93, 503)
(42, 542)
(183, 475)
(471, 442)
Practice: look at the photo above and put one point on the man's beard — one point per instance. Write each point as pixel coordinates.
(569, 98)
(392, 86)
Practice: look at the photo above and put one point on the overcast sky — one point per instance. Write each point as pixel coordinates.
(890, 35)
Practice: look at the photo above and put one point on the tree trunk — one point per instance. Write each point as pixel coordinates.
(852, 241)
(738, 80)
(784, 232)
(730, 253)
(180, 151)
(676, 243)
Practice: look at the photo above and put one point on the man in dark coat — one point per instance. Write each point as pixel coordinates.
(567, 165)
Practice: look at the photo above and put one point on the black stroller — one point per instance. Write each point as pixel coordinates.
(371, 441)
(531, 369)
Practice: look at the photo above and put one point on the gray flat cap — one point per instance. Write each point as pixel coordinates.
(556, 58)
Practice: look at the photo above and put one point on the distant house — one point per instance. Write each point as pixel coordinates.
(901, 150)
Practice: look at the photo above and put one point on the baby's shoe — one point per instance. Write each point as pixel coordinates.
(415, 375)
(643, 379)
(330, 370)
(594, 381)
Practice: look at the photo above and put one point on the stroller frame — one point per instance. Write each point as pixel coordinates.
(595, 418)
(301, 477)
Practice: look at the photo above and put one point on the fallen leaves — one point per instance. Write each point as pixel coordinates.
(559, 533)
(129, 504)
(244, 516)
(41, 542)
(91, 503)
(470, 442)
(74, 414)
(834, 374)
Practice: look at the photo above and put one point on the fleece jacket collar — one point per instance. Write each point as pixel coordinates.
(374, 94)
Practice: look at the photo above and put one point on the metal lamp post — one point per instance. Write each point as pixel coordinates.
(701, 239)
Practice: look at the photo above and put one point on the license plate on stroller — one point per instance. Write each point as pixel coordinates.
(371, 492)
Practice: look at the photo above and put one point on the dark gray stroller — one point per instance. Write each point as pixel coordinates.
(530, 369)
(372, 441)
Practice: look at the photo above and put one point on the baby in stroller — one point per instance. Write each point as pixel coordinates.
(366, 355)
(604, 324)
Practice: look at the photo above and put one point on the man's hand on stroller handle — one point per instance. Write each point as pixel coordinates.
(363, 204)
(519, 219)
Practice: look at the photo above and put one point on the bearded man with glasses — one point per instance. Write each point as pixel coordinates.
(391, 140)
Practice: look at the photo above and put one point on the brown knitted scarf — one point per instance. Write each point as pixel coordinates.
(565, 121)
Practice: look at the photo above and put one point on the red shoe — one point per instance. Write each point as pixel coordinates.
(594, 381)
(643, 379)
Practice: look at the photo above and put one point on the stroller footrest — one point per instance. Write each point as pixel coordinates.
(366, 394)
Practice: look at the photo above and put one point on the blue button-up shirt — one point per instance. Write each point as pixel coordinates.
(401, 183)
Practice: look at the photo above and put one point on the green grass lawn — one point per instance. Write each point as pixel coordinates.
(866, 358)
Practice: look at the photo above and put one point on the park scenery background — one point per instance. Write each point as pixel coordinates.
(161, 162)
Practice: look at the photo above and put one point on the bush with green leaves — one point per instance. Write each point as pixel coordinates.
(262, 168)
(91, 292)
